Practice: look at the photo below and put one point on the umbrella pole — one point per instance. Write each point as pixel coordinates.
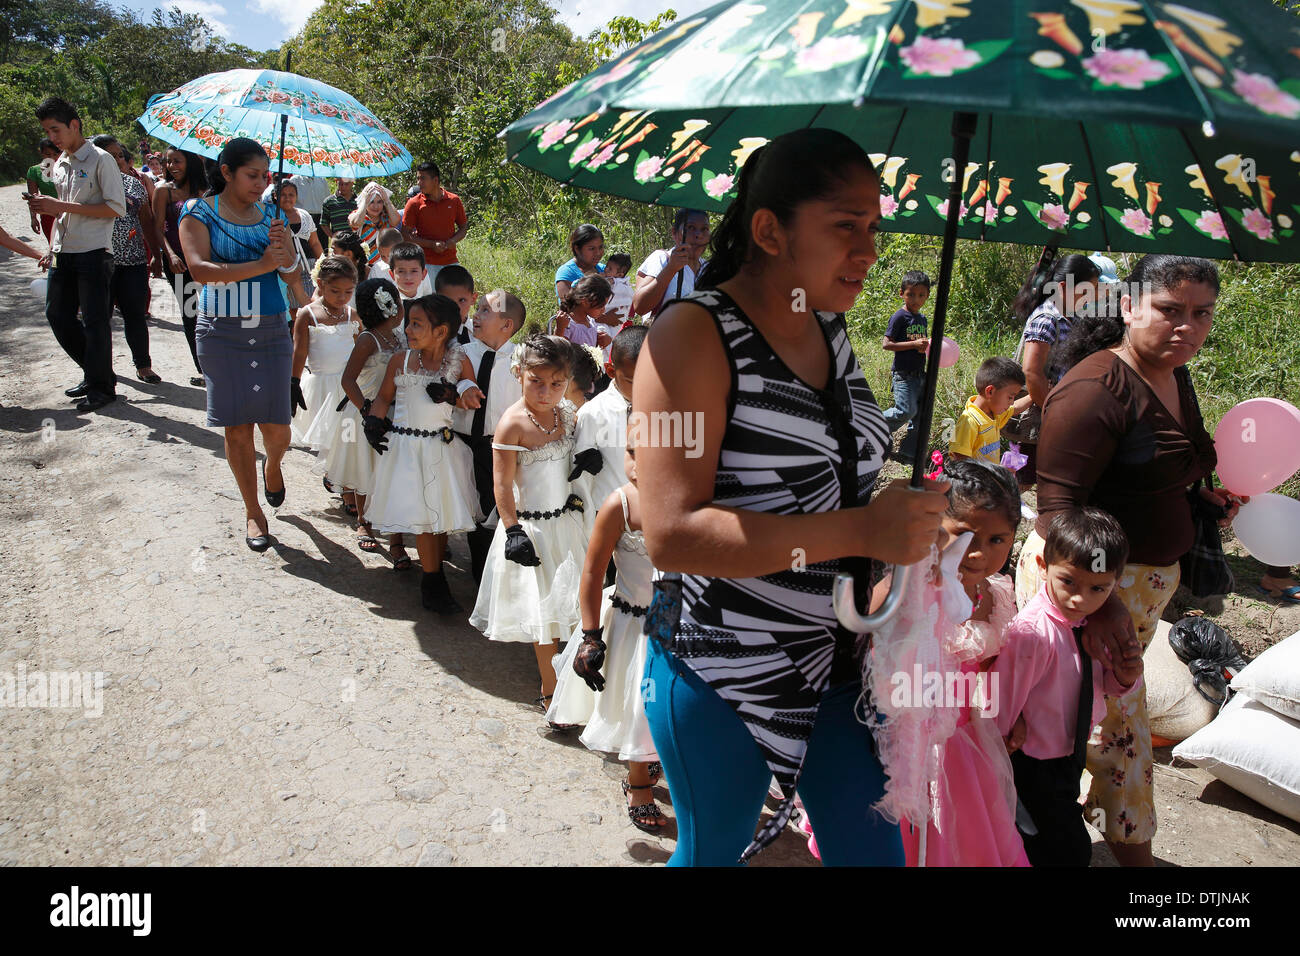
(284, 127)
(844, 597)
(963, 131)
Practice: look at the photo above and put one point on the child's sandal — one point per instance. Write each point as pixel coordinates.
(544, 703)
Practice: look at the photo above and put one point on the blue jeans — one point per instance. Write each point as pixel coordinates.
(82, 280)
(907, 402)
(718, 779)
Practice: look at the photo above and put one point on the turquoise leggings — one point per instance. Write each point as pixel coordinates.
(718, 779)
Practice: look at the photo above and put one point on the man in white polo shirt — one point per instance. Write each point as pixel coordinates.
(90, 197)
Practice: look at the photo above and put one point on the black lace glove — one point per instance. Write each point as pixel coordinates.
(442, 392)
(589, 460)
(376, 430)
(296, 399)
(519, 549)
(590, 658)
(575, 503)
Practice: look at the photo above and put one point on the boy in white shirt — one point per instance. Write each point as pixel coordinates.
(389, 240)
(601, 430)
(409, 273)
(456, 283)
(497, 317)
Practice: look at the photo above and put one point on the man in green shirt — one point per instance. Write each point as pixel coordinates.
(335, 210)
(39, 181)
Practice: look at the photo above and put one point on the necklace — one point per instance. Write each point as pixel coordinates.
(387, 341)
(337, 317)
(545, 431)
(419, 358)
(250, 216)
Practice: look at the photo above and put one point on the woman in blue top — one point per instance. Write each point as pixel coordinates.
(234, 247)
(588, 246)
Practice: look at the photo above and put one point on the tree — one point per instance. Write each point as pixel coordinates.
(447, 76)
(52, 24)
(106, 63)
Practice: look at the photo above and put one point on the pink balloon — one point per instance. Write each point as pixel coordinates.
(948, 353)
(1258, 444)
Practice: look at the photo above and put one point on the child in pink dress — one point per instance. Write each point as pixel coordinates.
(975, 802)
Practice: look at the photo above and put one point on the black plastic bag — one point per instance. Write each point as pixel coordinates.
(1206, 649)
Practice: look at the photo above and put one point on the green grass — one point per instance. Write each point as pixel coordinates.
(1253, 349)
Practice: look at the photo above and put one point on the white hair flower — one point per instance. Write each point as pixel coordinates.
(384, 302)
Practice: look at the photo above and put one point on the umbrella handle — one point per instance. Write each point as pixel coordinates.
(846, 607)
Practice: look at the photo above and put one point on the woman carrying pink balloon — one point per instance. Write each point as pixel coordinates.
(1122, 431)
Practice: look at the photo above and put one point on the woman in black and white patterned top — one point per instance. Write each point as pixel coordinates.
(765, 506)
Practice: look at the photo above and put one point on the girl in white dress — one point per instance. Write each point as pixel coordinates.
(529, 591)
(601, 673)
(323, 335)
(346, 456)
(423, 484)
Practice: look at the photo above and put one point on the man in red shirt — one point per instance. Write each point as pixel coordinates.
(434, 220)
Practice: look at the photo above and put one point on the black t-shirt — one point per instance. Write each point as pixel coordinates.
(905, 326)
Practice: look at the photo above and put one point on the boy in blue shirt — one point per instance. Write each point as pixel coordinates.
(906, 336)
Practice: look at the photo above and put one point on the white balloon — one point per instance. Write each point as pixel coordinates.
(38, 286)
(1268, 526)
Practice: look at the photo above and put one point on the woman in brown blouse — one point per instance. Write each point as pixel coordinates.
(1122, 432)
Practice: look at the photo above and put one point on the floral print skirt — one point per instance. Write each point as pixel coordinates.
(1120, 802)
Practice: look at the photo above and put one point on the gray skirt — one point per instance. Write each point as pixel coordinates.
(247, 362)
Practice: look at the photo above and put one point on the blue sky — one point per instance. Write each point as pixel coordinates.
(264, 24)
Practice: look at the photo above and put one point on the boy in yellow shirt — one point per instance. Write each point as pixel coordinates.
(979, 429)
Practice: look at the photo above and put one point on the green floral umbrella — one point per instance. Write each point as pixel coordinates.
(1108, 124)
(1128, 125)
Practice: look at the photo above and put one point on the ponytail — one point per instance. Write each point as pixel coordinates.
(1048, 276)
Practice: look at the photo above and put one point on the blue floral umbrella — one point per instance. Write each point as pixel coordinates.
(328, 132)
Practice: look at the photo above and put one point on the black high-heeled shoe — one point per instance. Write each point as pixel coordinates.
(273, 498)
(435, 594)
(260, 543)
